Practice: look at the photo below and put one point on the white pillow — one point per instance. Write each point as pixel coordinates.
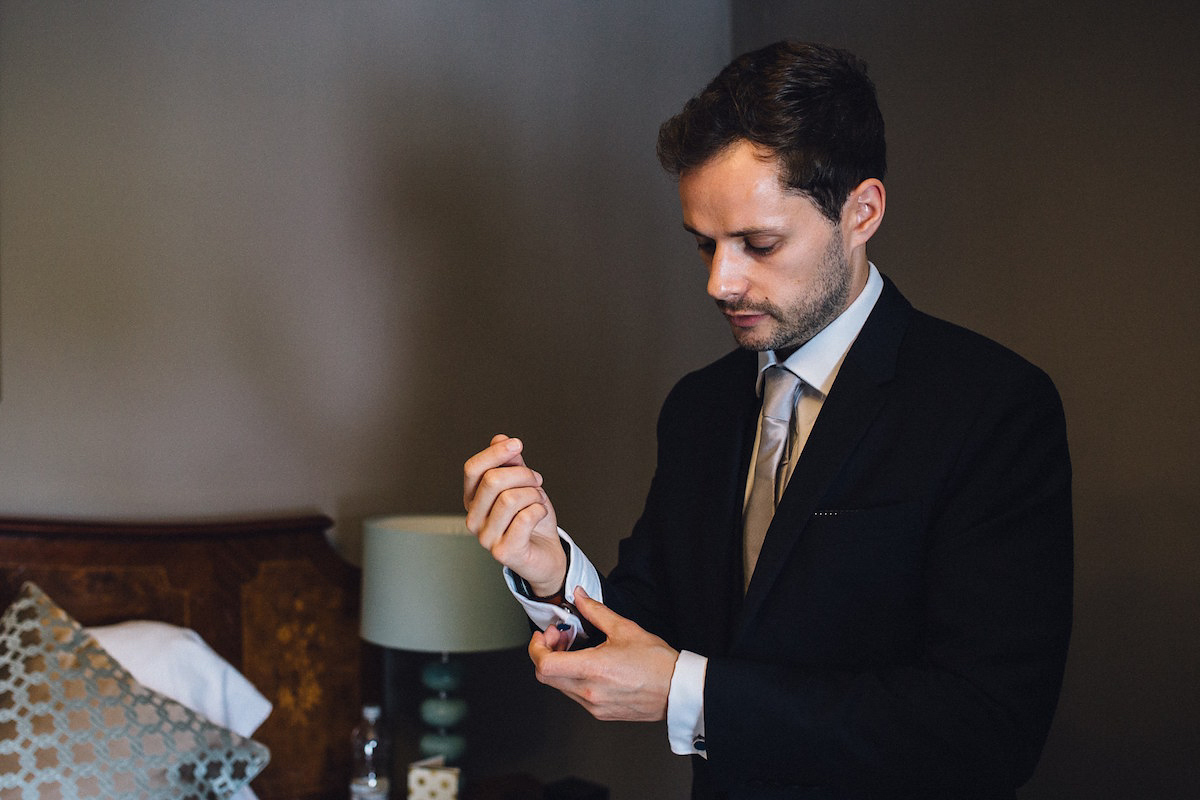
(178, 663)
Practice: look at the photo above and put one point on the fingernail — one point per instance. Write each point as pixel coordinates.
(513, 445)
(538, 477)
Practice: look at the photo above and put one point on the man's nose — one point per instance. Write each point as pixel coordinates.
(726, 275)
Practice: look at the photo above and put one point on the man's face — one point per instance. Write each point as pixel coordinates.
(777, 267)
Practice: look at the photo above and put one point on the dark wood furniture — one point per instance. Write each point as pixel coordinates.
(525, 787)
(268, 594)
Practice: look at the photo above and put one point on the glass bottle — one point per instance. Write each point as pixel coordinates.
(369, 781)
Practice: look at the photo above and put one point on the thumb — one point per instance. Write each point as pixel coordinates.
(538, 648)
(601, 616)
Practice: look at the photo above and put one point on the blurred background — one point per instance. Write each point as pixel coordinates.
(289, 256)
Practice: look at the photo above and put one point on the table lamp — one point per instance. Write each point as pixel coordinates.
(429, 587)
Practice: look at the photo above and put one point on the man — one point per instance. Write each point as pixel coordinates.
(852, 576)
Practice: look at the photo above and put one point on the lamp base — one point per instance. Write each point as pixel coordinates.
(443, 711)
(451, 746)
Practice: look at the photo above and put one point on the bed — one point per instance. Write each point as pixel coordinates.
(269, 595)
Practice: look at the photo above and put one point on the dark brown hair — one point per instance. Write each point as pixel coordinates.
(810, 105)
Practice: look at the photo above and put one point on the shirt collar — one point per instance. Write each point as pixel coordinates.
(816, 362)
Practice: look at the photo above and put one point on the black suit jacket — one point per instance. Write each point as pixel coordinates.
(906, 627)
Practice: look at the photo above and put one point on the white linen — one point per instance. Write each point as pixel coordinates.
(178, 663)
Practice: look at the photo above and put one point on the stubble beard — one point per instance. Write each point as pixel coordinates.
(809, 315)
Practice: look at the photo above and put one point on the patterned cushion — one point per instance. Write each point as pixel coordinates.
(74, 724)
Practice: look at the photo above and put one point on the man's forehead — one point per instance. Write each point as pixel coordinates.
(739, 196)
(741, 152)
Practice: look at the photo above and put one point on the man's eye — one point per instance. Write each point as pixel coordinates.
(760, 249)
(706, 246)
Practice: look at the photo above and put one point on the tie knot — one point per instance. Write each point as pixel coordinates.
(779, 392)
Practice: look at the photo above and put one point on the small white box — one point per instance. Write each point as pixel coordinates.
(432, 780)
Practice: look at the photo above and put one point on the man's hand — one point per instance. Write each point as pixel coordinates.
(628, 677)
(510, 514)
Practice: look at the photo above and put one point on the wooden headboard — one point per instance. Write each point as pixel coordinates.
(270, 595)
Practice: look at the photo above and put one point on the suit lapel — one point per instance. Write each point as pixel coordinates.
(856, 397)
(728, 442)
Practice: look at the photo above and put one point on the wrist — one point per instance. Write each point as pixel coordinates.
(557, 597)
(551, 591)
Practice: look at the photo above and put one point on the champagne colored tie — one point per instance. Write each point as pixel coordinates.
(779, 398)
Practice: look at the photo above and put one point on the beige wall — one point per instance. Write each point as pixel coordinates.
(1044, 164)
(270, 256)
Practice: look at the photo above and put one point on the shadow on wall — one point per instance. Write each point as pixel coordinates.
(441, 221)
(1125, 649)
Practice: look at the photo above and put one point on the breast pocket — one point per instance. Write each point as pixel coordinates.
(853, 545)
(853, 584)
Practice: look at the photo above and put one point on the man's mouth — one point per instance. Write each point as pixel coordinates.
(745, 319)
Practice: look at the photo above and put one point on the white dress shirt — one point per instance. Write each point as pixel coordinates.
(816, 363)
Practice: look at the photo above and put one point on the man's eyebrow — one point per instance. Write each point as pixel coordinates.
(733, 234)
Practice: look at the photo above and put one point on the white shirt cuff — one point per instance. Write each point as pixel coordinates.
(685, 705)
(580, 572)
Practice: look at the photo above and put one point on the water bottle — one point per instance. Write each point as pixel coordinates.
(369, 781)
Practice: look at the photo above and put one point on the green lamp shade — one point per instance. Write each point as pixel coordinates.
(428, 586)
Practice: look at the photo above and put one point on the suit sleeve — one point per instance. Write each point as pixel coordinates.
(665, 579)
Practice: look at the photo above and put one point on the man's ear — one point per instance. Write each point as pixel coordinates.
(863, 212)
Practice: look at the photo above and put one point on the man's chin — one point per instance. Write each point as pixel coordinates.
(760, 341)
(748, 340)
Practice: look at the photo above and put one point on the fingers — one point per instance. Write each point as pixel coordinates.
(504, 451)
(559, 637)
(546, 656)
(595, 682)
(538, 647)
(510, 514)
(604, 618)
(557, 669)
(552, 636)
(507, 531)
(489, 480)
(628, 677)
